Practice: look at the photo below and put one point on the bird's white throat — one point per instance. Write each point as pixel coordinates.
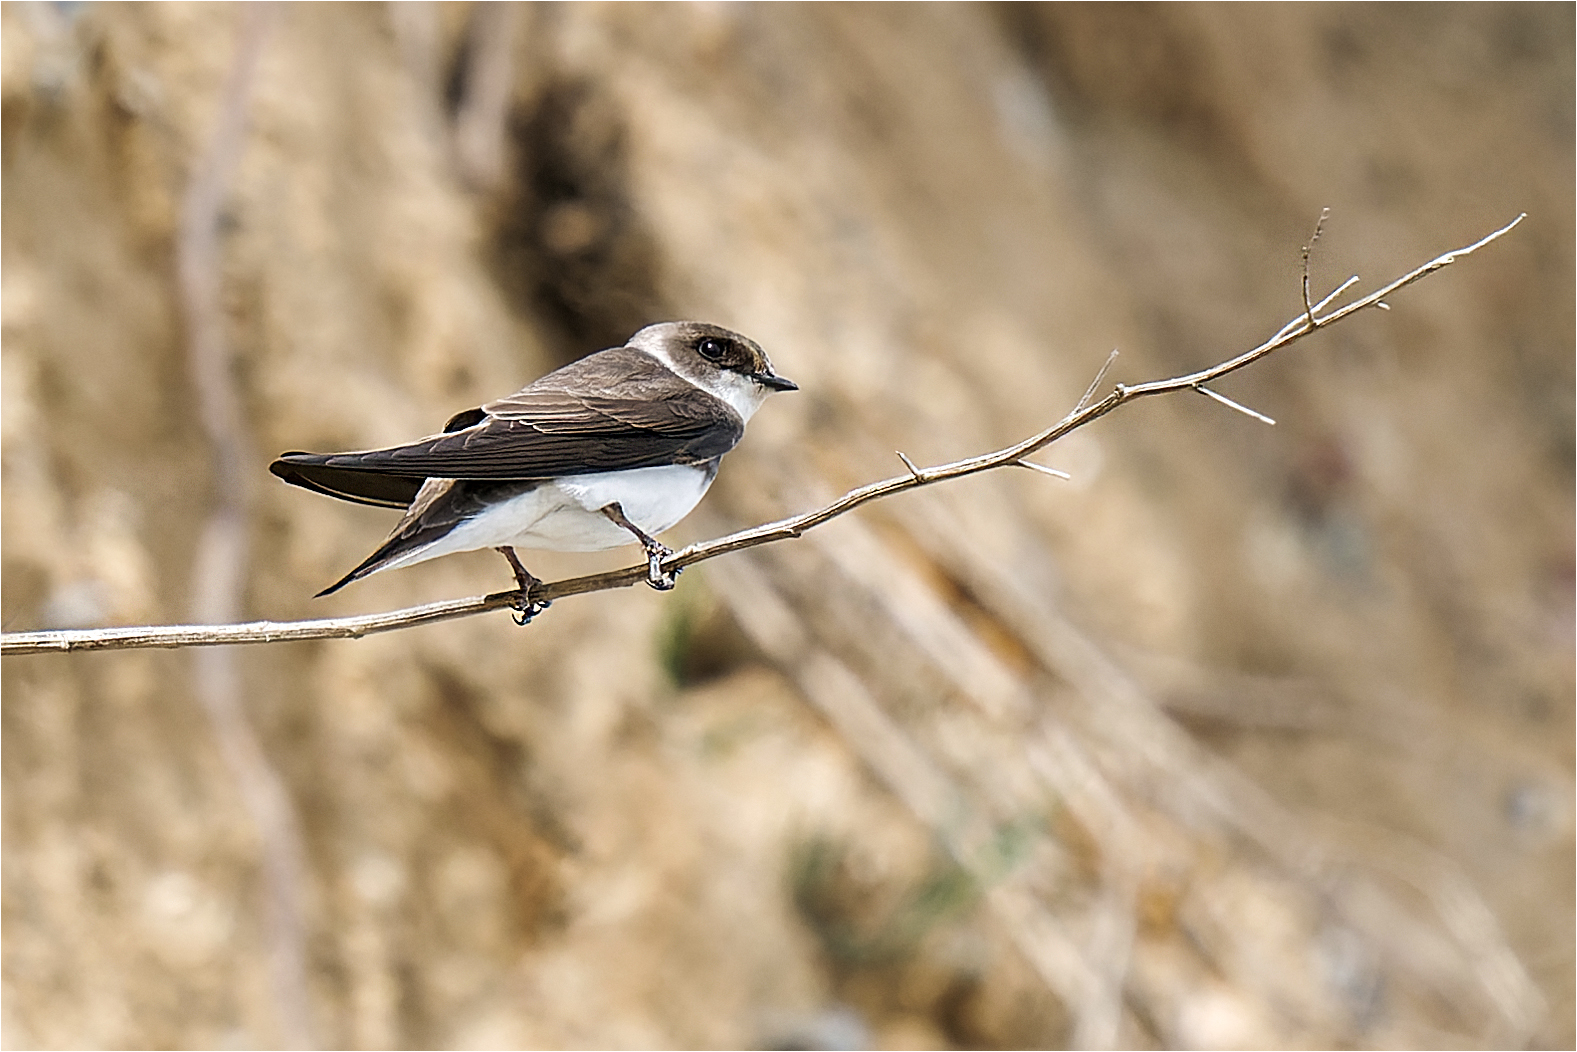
(743, 395)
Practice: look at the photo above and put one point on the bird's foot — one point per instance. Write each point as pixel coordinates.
(526, 607)
(656, 576)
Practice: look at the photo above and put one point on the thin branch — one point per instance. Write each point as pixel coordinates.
(350, 627)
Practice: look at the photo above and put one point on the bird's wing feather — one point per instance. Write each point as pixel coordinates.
(360, 487)
(641, 416)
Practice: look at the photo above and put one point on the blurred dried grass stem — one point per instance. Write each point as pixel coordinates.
(480, 123)
(219, 568)
(174, 636)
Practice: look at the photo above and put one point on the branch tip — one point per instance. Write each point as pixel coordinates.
(1308, 305)
(1319, 228)
(910, 465)
(1451, 257)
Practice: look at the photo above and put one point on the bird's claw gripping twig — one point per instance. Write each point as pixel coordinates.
(525, 607)
(656, 576)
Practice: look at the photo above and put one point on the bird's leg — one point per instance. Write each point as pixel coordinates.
(527, 581)
(656, 551)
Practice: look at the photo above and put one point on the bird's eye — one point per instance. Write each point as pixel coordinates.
(710, 349)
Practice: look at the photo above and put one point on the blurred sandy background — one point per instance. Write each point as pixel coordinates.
(1245, 737)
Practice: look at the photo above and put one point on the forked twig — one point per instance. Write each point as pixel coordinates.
(1309, 320)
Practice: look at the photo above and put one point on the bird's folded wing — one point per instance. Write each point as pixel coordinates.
(555, 434)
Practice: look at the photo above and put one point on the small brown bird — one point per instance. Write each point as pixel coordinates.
(609, 450)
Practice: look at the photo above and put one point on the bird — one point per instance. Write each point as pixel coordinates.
(609, 450)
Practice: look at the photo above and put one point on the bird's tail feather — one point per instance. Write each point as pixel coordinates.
(393, 552)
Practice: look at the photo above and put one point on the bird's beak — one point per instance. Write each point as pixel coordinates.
(777, 383)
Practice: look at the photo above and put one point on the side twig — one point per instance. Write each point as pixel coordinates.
(1308, 307)
(1308, 321)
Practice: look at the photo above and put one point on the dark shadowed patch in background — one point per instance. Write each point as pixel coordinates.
(568, 247)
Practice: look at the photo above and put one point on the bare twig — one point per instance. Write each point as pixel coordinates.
(1319, 225)
(1043, 469)
(1307, 322)
(1089, 392)
(1224, 400)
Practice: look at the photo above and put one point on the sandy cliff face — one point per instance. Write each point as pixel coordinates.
(1245, 736)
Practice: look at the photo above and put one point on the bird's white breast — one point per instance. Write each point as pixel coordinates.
(652, 498)
(564, 514)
